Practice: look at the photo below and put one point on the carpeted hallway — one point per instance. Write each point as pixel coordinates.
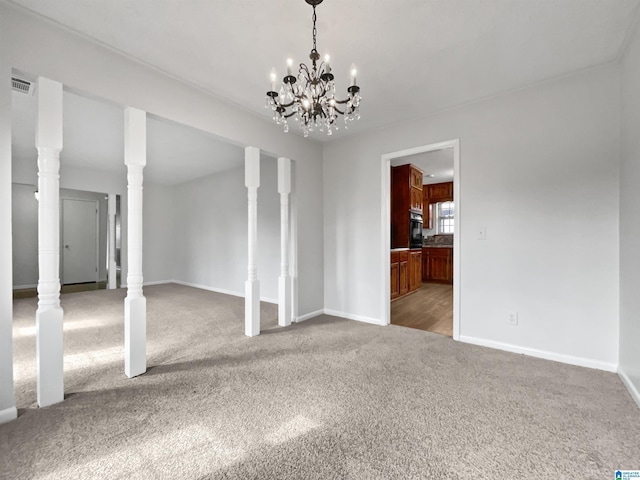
(326, 399)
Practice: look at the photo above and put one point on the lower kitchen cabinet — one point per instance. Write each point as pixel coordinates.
(415, 269)
(406, 272)
(437, 265)
(395, 278)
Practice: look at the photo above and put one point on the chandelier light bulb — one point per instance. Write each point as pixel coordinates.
(354, 72)
(273, 76)
(289, 65)
(305, 104)
(327, 66)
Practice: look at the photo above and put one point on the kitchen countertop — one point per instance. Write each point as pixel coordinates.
(434, 245)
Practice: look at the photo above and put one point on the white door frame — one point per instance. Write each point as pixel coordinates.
(97, 204)
(386, 222)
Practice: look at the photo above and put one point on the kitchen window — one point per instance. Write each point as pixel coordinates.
(445, 217)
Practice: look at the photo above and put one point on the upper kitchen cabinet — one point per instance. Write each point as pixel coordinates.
(406, 197)
(415, 177)
(439, 192)
(416, 200)
(406, 188)
(432, 194)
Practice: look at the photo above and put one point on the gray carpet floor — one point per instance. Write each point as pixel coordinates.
(326, 399)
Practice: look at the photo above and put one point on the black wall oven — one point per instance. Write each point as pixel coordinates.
(415, 229)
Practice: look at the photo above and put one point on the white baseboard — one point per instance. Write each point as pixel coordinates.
(308, 316)
(635, 394)
(158, 282)
(22, 287)
(221, 290)
(358, 318)
(532, 352)
(8, 414)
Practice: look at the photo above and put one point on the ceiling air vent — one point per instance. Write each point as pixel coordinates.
(22, 86)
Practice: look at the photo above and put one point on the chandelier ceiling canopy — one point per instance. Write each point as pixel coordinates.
(309, 97)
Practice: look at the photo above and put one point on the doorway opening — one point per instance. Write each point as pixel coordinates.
(421, 238)
(89, 241)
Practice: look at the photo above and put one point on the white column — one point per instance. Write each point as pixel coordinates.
(293, 245)
(111, 212)
(284, 282)
(49, 316)
(135, 304)
(252, 285)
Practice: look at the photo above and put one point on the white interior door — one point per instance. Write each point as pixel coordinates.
(79, 241)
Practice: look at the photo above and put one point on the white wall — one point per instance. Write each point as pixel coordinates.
(158, 234)
(630, 219)
(539, 168)
(25, 236)
(7, 399)
(211, 231)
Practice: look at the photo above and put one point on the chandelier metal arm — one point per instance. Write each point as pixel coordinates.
(286, 105)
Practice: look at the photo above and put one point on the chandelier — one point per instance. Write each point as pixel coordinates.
(310, 97)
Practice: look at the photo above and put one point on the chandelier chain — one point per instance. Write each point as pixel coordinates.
(315, 31)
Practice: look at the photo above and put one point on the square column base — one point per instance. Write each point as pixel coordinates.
(111, 280)
(49, 356)
(135, 336)
(8, 414)
(252, 308)
(284, 301)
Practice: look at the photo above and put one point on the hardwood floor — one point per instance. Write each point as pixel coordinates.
(77, 287)
(430, 308)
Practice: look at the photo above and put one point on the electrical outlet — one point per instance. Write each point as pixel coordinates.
(513, 318)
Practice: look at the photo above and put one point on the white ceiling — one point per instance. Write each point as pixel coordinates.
(414, 57)
(93, 137)
(438, 163)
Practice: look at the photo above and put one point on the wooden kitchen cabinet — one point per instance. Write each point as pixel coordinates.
(415, 269)
(440, 192)
(432, 194)
(427, 213)
(406, 272)
(403, 272)
(416, 199)
(395, 278)
(403, 277)
(406, 197)
(415, 177)
(399, 273)
(437, 265)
